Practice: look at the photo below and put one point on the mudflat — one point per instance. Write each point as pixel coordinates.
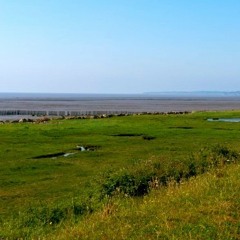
(119, 103)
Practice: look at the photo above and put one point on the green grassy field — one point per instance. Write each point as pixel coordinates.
(205, 207)
(39, 194)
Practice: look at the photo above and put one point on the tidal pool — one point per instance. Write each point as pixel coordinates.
(233, 120)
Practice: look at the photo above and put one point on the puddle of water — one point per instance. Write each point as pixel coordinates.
(233, 120)
(81, 148)
(87, 148)
(68, 154)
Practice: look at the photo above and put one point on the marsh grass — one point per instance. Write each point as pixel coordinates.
(135, 181)
(204, 207)
(38, 197)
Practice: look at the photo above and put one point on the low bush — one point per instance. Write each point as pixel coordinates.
(139, 179)
(130, 183)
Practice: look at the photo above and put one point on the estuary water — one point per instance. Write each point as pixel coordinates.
(87, 103)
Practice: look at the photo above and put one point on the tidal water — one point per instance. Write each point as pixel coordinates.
(87, 103)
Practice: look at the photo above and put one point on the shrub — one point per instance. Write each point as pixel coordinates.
(57, 215)
(225, 153)
(134, 181)
(138, 179)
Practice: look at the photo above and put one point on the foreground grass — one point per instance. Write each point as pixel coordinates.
(39, 196)
(205, 207)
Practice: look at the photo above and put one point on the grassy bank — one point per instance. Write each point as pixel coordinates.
(47, 181)
(205, 207)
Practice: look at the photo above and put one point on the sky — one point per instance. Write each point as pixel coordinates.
(119, 46)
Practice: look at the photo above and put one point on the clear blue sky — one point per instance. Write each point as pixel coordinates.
(119, 46)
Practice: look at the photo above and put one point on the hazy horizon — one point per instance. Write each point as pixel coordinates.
(170, 93)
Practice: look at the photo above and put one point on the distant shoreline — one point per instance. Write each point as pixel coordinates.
(145, 95)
